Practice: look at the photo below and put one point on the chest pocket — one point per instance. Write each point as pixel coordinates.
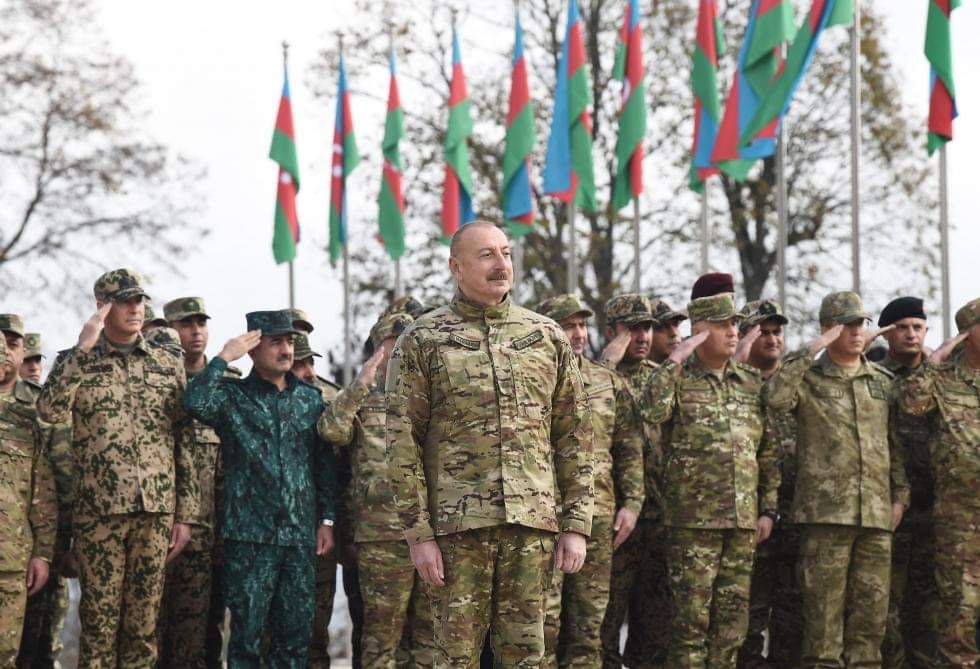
(828, 392)
(533, 368)
(961, 398)
(878, 390)
(695, 401)
(602, 403)
(469, 374)
(16, 460)
(97, 393)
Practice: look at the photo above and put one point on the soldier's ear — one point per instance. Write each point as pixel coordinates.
(454, 267)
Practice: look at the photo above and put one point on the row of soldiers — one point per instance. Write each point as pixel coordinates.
(703, 490)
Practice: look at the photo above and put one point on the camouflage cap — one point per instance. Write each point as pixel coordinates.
(405, 305)
(560, 307)
(968, 315)
(760, 311)
(663, 314)
(271, 323)
(12, 324)
(301, 321)
(166, 337)
(118, 285)
(3, 350)
(842, 307)
(719, 307)
(390, 325)
(184, 307)
(628, 309)
(301, 348)
(32, 345)
(150, 316)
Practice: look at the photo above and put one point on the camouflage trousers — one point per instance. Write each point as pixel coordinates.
(355, 608)
(13, 600)
(775, 604)
(639, 592)
(575, 604)
(710, 573)
(844, 575)
(913, 603)
(185, 610)
(495, 578)
(318, 653)
(121, 567)
(40, 642)
(274, 586)
(958, 582)
(394, 633)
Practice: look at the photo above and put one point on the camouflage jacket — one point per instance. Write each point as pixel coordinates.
(28, 506)
(950, 391)
(278, 474)
(487, 423)
(636, 375)
(781, 434)
(617, 441)
(58, 440)
(849, 470)
(719, 472)
(337, 406)
(130, 434)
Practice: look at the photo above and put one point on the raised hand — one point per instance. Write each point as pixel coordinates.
(825, 339)
(613, 354)
(686, 347)
(240, 345)
(877, 333)
(93, 328)
(943, 351)
(370, 368)
(745, 345)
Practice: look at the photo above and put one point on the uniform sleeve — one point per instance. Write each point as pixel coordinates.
(660, 393)
(783, 388)
(43, 515)
(627, 451)
(407, 398)
(901, 491)
(186, 465)
(918, 394)
(336, 423)
(769, 459)
(204, 398)
(325, 479)
(58, 394)
(571, 440)
(57, 442)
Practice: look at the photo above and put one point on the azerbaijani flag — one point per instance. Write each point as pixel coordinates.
(771, 23)
(391, 203)
(568, 171)
(776, 102)
(285, 233)
(632, 110)
(457, 189)
(939, 52)
(708, 46)
(518, 200)
(345, 159)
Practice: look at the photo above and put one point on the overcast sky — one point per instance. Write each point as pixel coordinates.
(212, 75)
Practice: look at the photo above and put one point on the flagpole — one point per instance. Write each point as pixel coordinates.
(705, 230)
(391, 50)
(572, 255)
(636, 244)
(518, 259)
(292, 283)
(399, 289)
(782, 217)
(348, 367)
(944, 239)
(856, 148)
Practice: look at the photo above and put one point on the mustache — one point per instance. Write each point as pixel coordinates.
(284, 358)
(497, 275)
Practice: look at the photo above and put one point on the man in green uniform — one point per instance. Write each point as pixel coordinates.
(947, 387)
(576, 604)
(851, 488)
(666, 334)
(719, 483)
(279, 507)
(489, 438)
(135, 492)
(32, 367)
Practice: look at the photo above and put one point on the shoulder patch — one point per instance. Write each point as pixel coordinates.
(472, 344)
(527, 340)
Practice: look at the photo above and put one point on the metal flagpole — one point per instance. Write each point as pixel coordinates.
(783, 218)
(292, 287)
(399, 289)
(636, 244)
(705, 230)
(517, 257)
(856, 148)
(944, 239)
(572, 253)
(348, 367)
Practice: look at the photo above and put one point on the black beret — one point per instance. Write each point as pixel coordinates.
(899, 308)
(713, 283)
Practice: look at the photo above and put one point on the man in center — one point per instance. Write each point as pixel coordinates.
(490, 443)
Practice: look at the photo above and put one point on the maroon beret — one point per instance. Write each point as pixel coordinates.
(713, 283)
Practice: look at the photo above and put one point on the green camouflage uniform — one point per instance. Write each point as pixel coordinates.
(950, 391)
(134, 479)
(278, 487)
(487, 427)
(719, 475)
(576, 603)
(850, 470)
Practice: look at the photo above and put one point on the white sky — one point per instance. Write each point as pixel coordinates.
(212, 75)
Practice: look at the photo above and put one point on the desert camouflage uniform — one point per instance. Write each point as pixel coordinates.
(487, 425)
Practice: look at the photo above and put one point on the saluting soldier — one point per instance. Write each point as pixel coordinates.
(489, 436)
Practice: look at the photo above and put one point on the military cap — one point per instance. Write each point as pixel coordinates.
(560, 307)
(628, 309)
(3, 350)
(713, 283)
(272, 323)
(150, 316)
(968, 315)
(842, 307)
(663, 314)
(390, 325)
(32, 345)
(899, 308)
(184, 307)
(301, 348)
(405, 305)
(301, 321)
(12, 324)
(166, 337)
(118, 285)
(719, 307)
(760, 311)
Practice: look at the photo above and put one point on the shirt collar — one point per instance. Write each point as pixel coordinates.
(829, 368)
(470, 310)
(105, 346)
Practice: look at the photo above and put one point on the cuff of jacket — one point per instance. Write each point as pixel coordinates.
(902, 496)
(583, 527)
(634, 504)
(419, 534)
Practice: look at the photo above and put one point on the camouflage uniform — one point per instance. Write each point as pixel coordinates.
(134, 479)
(278, 488)
(576, 603)
(850, 470)
(487, 424)
(719, 475)
(950, 391)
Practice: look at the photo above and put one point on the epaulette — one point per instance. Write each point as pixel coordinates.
(171, 349)
(881, 368)
(26, 391)
(33, 384)
(745, 367)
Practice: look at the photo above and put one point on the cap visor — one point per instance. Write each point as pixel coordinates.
(128, 293)
(279, 333)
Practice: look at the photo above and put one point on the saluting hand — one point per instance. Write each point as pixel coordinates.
(93, 328)
(825, 339)
(613, 354)
(370, 368)
(870, 339)
(943, 351)
(240, 345)
(686, 347)
(744, 347)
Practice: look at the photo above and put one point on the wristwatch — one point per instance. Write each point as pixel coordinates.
(771, 515)
(326, 522)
